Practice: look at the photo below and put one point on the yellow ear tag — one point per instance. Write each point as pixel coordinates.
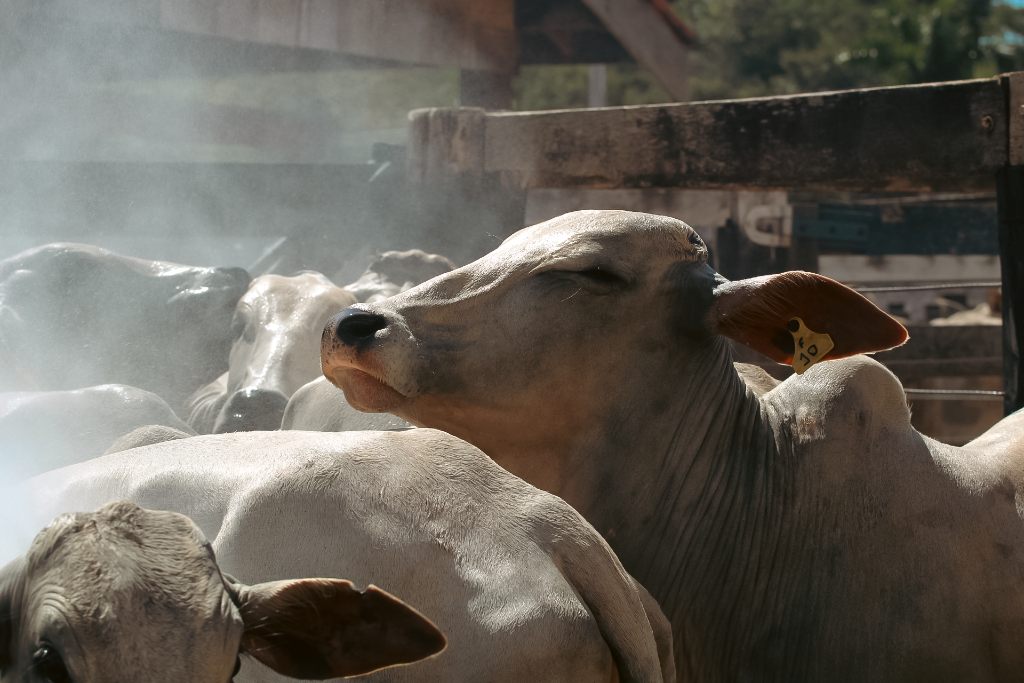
(809, 347)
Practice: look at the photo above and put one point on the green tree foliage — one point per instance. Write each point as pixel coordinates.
(751, 48)
(761, 47)
(565, 87)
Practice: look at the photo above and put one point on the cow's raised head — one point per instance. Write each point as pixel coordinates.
(126, 594)
(576, 322)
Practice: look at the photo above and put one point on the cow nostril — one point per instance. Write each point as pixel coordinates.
(356, 326)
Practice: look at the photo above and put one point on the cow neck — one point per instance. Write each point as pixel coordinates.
(691, 499)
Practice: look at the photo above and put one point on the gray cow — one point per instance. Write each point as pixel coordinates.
(74, 316)
(801, 532)
(125, 594)
(522, 586)
(396, 271)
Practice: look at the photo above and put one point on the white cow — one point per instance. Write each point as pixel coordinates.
(523, 588)
(276, 329)
(126, 594)
(396, 271)
(804, 532)
(321, 407)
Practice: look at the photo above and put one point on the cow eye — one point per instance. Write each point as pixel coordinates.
(603, 277)
(49, 665)
(594, 280)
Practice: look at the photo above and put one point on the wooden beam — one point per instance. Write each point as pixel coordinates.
(946, 136)
(649, 39)
(467, 34)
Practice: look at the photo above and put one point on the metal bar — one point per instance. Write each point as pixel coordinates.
(941, 285)
(929, 198)
(953, 395)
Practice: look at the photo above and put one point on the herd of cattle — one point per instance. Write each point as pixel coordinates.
(594, 491)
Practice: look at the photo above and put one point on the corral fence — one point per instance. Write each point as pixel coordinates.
(965, 136)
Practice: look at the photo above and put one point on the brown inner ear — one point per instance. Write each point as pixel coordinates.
(756, 312)
(315, 629)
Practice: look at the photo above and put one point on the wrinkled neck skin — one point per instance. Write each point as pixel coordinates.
(692, 485)
(678, 484)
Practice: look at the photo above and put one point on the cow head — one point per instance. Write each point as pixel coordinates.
(573, 325)
(74, 315)
(276, 329)
(396, 271)
(126, 594)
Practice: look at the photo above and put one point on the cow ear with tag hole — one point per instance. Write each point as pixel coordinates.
(315, 629)
(10, 582)
(758, 312)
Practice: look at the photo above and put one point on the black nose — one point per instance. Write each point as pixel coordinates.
(251, 410)
(354, 326)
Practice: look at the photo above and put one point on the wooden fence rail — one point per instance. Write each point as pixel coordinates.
(959, 136)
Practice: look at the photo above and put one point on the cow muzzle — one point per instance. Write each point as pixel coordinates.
(369, 355)
(251, 410)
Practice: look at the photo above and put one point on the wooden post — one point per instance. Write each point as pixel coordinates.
(445, 170)
(1010, 194)
(1011, 250)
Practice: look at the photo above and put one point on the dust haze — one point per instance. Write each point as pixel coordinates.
(173, 145)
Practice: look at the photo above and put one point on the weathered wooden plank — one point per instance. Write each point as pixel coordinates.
(446, 144)
(926, 137)
(465, 34)
(430, 32)
(1015, 85)
(649, 39)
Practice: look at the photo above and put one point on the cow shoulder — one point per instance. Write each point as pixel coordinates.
(850, 408)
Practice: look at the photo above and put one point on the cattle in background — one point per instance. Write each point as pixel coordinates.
(276, 327)
(522, 586)
(396, 271)
(796, 533)
(321, 407)
(126, 594)
(44, 430)
(74, 316)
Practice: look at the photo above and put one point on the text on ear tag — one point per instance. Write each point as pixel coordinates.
(809, 347)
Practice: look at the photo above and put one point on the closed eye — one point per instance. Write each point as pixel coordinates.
(601, 276)
(594, 280)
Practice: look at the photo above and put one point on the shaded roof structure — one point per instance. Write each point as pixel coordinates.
(214, 37)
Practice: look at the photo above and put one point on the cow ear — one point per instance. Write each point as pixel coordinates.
(10, 582)
(325, 628)
(757, 312)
